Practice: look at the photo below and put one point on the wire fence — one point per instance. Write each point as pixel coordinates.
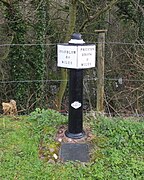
(124, 83)
(60, 80)
(54, 44)
(47, 99)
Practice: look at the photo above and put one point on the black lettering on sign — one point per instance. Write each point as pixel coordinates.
(87, 49)
(67, 57)
(67, 52)
(86, 54)
(66, 62)
(86, 64)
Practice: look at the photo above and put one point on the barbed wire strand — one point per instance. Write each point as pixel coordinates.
(30, 81)
(116, 79)
(59, 80)
(53, 44)
(1, 45)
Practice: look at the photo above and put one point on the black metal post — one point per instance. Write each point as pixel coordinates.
(75, 120)
(75, 123)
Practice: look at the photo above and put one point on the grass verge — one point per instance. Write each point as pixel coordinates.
(117, 153)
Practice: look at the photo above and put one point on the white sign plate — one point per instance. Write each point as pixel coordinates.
(67, 56)
(86, 56)
(76, 105)
(76, 56)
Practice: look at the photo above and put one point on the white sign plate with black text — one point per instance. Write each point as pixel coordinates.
(76, 56)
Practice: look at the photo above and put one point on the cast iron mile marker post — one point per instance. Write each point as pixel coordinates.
(76, 55)
(75, 119)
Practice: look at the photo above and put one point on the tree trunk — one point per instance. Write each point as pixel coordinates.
(70, 30)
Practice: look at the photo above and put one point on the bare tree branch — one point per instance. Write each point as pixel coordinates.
(91, 18)
(139, 6)
(6, 3)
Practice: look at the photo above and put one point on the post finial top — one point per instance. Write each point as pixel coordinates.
(76, 36)
(76, 39)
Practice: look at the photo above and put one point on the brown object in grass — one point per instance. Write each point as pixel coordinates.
(10, 108)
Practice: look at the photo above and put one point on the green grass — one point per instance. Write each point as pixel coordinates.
(117, 149)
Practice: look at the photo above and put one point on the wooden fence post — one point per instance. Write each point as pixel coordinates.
(100, 71)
